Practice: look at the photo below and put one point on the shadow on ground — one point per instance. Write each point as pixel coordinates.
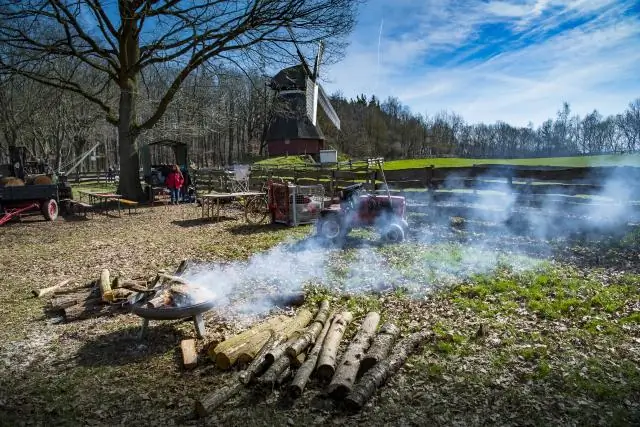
(248, 229)
(125, 346)
(195, 222)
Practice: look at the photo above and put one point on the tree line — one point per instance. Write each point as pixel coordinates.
(222, 115)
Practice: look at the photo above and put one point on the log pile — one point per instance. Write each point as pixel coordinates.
(287, 352)
(110, 295)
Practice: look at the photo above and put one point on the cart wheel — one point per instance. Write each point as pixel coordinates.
(50, 209)
(256, 211)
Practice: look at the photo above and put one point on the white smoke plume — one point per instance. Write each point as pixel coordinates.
(498, 229)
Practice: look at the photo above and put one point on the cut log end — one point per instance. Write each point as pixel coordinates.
(189, 354)
(325, 372)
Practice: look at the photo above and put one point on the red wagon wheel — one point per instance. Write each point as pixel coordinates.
(50, 209)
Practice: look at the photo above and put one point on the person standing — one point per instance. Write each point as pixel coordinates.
(174, 183)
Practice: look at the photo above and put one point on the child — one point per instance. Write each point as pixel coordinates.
(174, 183)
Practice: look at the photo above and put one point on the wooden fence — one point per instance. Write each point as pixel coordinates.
(519, 179)
(527, 182)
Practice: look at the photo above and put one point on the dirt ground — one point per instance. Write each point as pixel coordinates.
(563, 346)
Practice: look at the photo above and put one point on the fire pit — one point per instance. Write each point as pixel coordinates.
(173, 313)
(173, 300)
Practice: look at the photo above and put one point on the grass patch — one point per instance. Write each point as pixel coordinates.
(558, 345)
(578, 161)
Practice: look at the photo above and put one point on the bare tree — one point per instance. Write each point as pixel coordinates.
(120, 40)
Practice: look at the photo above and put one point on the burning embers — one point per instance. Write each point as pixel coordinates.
(176, 292)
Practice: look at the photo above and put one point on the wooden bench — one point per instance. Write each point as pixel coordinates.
(130, 204)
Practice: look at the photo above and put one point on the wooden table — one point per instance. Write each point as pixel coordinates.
(102, 200)
(211, 202)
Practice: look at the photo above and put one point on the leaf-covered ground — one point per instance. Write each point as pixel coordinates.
(522, 339)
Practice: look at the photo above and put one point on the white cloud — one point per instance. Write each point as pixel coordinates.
(503, 8)
(593, 66)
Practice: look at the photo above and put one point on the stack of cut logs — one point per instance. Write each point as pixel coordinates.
(285, 352)
(99, 297)
(108, 295)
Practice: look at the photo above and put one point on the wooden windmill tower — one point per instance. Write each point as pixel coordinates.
(294, 128)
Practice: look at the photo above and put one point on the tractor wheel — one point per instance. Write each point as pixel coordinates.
(50, 209)
(394, 233)
(330, 227)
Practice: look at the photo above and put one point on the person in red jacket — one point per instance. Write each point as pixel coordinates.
(174, 183)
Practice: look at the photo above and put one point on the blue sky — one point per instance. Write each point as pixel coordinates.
(513, 60)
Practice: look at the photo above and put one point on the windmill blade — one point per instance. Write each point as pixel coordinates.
(316, 67)
(328, 108)
(305, 65)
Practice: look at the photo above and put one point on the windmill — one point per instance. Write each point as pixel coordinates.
(294, 128)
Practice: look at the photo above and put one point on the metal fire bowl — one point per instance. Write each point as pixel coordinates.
(172, 313)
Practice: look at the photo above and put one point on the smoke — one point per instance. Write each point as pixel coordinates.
(453, 236)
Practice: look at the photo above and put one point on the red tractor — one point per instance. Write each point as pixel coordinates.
(357, 208)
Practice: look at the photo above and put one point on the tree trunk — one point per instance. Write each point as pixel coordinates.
(380, 373)
(302, 375)
(327, 357)
(347, 370)
(129, 185)
(380, 347)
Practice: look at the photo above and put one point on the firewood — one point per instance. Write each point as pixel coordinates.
(159, 300)
(121, 293)
(259, 364)
(273, 353)
(184, 265)
(281, 370)
(172, 278)
(133, 285)
(297, 361)
(65, 301)
(327, 357)
(211, 401)
(311, 333)
(189, 354)
(232, 344)
(270, 378)
(105, 286)
(304, 372)
(251, 346)
(380, 347)
(90, 308)
(380, 373)
(284, 376)
(38, 293)
(347, 370)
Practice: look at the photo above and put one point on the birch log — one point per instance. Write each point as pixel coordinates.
(328, 354)
(347, 370)
(379, 374)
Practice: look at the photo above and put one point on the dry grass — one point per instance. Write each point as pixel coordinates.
(562, 345)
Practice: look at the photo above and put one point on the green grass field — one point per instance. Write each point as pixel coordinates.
(579, 161)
